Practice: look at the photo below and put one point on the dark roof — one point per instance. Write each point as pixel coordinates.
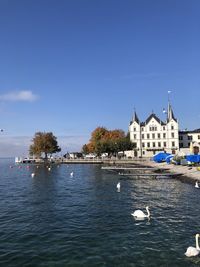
(170, 114)
(135, 118)
(196, 131)
(155, 117)
(188, 132)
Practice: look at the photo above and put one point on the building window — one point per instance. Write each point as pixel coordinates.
(180, 137)
(142, 129)
(188, 144)
(164, 144)
(148, 144)
(142, 136)
(164, 135)
(158, 136)
(181, 144)
(154, 144)
(143, 152)
(159, 144)
(134, 145)
(134, 136)
(143, 144)
(172, 135)
(172, 127)
(163, 128)
(173, 144)
(189, 137)
(148, 136)
(153, 136)
(152, 128)
(198, 136)
(134, 129)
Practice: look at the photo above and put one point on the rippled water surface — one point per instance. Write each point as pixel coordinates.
(54, 219)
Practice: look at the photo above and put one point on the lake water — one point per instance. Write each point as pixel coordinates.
(55, 219)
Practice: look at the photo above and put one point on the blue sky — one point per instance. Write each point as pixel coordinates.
(69, 66)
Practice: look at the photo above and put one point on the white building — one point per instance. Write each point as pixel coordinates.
(188, 137)
(154, 135)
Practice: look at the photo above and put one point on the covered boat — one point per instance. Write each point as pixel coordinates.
(160, 157)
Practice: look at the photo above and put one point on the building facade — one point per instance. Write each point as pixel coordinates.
(188, 137)
(154, 135)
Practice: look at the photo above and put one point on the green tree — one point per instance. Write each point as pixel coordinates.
(85, 149)
(44, 143)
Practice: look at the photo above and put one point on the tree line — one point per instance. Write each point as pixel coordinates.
(102, 141)
(107, 141)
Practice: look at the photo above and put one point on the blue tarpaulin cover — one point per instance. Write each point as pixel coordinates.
(193, 158)
(168, 158)
(160, 157)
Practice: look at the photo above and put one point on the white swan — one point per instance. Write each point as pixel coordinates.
(196, 185)
(72, 174)
(118, 186)
(192, 251)
(141, 214)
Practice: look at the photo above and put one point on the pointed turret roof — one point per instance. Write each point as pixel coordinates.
(170, 113)
(135, 118)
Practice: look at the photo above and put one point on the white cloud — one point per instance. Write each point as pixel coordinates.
(24, 95)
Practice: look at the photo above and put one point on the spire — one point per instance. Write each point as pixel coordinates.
(170, 113)
(135, 117)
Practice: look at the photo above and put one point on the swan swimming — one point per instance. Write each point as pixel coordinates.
(141, 214)
(196, 185)
(118, 186)
(192, 251)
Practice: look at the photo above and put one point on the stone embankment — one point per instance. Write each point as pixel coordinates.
(184, 173)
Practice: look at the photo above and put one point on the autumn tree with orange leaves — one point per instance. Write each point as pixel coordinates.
(107, 141)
